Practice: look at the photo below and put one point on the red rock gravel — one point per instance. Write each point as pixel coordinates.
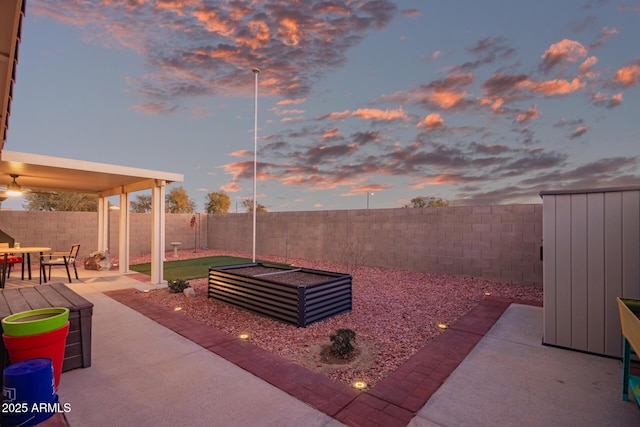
(395, 311)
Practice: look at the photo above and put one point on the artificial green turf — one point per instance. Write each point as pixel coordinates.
(194, 268)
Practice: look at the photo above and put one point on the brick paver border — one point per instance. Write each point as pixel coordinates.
(393, 401)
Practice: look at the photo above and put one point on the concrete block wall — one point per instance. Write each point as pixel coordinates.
(57, 230)
(498, 242)
(60, 230)
(177, 229)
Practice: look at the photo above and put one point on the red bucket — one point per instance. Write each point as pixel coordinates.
(48, 345)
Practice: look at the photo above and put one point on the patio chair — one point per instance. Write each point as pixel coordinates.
(11, 259)
(59, 258)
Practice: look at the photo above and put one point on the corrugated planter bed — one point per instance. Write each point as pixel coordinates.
(299, 296)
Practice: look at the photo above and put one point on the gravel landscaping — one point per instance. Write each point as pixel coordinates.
(394, 314)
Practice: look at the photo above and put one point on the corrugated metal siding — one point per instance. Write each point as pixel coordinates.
(299, 305)
(591, 256)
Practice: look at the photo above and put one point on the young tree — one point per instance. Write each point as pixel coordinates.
(432, 202)
(438, 202)
(142, 203)
(178, 201)
(418, 202)
(217, 203)
(248, 205)
(65, 201)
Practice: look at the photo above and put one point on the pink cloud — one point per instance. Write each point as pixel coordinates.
(154, 107)
(587, 65)
(384, 115)
(580, 130)
(287, 112)
(605, 33)
(194, 48)
(441, 179)
(562, 52)
(603, 99)
(495, 103)
(331, 133)
(431, 122)
(231, 187)
(338, 115)
(364, 189)
(240, 153)
(446, 98)
(213, 21)
(291, 101)
(292, 119)
(315, 182)
(628, 76)
(370, 114)
(447, 93)
(556, 86)
(411, 13)
(528, 115)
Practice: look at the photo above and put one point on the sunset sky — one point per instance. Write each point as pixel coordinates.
(478, 102)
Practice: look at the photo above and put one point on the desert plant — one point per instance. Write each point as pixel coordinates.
(178, 285)
(341, 342)
(351, 253)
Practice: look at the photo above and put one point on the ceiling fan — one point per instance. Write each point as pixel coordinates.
(13, 189)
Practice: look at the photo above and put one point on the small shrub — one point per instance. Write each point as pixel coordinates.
(178, 285)
(341, 342)
(351, 253)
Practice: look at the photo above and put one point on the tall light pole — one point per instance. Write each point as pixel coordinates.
(368, 194)
(256, 71)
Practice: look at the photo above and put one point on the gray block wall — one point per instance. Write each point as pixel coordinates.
(499, 242)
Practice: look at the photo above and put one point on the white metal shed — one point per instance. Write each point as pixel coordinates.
(591, 242)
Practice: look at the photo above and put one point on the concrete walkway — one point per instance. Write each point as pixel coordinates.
(511, 379)
(144, 374)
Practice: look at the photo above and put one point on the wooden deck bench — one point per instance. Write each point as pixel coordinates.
(78, 347)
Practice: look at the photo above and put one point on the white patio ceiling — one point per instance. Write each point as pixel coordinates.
(37, 172)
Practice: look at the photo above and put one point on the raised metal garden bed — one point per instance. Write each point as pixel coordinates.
(299, 296)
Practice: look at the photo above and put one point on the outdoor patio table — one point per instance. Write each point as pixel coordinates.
(28, 250)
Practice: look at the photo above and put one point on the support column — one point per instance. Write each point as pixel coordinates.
(157, 232)
(124, 235)
(103, 223)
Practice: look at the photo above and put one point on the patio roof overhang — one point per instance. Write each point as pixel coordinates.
(37, 172)
(45, 173)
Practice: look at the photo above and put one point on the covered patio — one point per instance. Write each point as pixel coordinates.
(46, 173)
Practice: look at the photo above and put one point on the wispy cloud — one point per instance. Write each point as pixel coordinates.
(580, 130)
(558, 54)
(474, 124)
(194, 48)
(628, 75)
(431, 122)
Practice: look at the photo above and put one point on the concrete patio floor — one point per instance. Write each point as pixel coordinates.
(146, 374)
